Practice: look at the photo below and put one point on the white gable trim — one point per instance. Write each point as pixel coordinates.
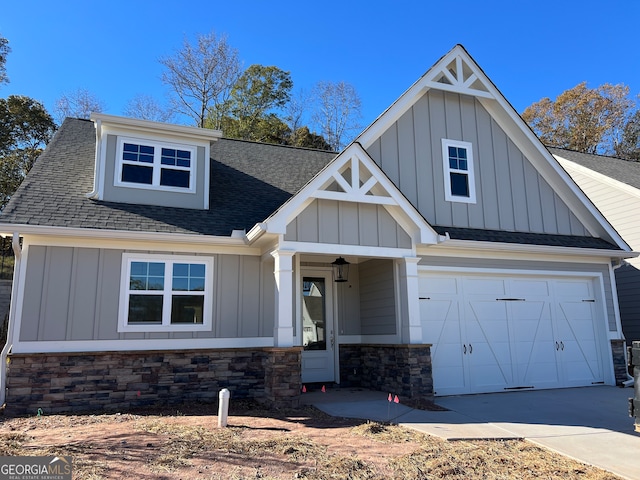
(353, 176)
(458, 72)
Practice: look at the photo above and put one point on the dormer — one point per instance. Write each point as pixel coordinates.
(151, 163)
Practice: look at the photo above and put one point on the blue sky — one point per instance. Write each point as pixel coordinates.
(529, 49)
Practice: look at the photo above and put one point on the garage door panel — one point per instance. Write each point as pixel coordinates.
(484, 286)
(438, 286)
(529, 288)
(573, 288)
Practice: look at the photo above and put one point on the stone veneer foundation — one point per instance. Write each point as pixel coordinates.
(58, 383)
(403, 370)
(620, 367)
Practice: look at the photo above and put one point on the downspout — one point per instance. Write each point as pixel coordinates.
(17, 250)
(96, 166)
(629, 382)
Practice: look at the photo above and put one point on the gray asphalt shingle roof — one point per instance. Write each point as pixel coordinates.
(616, 168)
(249, 181)
(524, 238)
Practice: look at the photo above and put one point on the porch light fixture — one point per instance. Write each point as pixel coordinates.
(340, 270)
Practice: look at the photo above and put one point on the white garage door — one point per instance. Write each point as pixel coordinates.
(498, 333)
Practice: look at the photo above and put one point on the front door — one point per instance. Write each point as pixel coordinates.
(318, 335)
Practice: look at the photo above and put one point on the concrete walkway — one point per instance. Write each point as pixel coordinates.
(589, 424)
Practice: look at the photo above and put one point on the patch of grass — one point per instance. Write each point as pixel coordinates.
(387, 433)
(490, 460)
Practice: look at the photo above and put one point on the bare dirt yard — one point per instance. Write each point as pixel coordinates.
(186, 443)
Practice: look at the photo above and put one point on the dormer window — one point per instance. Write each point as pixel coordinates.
(459, 182)
(148, 164)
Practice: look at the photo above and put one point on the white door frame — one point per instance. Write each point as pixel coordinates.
(331, 312)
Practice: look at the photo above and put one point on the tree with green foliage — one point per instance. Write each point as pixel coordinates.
(629, 147)
(4, 52)
(25, 129)
(302, 137)
(588, 120)
(201, 77)
(250, 112)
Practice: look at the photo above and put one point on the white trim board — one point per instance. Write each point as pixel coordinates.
(168, 344)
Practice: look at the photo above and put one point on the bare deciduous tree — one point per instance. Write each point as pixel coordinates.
(145, 107)
(201, 77)
(338, 112)
(79, 103)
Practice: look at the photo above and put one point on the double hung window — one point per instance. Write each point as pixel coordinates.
(149, 164)
(165, 294)
(459, 182)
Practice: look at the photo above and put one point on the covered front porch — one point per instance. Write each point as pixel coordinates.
(357, 328)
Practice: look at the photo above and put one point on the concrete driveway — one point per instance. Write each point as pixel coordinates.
(589, 424)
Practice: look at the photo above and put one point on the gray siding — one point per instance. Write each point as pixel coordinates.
(73, 294)
(345, 223)
(510, 193)
(377, 298)
(150, 197)
(349, 303)
(628, 283)
(534, 265)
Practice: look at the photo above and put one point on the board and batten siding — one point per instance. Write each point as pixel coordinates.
(73, 293)
(346, 223)
(377, 297)
(531, 265)
(511, 195)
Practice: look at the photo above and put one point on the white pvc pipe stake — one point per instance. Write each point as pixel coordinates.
(223, 407)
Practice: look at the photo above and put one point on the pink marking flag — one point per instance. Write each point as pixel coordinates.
(396, 399)
(304, 389)
(323, 389)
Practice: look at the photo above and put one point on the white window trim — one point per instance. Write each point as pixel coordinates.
(168, 260)
(446, 143)
(156, 165)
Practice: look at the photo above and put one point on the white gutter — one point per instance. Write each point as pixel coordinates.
(12, 316)
(514, 247)
(256, 232)
(97, 233)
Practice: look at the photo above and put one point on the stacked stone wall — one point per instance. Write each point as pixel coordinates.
(404, 370)
(58, 383)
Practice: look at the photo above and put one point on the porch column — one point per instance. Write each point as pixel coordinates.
(410, 323)
(283, 322)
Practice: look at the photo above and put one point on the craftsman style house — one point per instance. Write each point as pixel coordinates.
(444, 251)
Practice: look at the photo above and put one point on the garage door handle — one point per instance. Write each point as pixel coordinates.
(470, 349)
(561, 346)
(464, 347)
(557, 346)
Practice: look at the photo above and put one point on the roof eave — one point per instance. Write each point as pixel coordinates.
(542, 249)
(109, 234)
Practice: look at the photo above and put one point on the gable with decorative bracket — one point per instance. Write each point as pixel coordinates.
(354, 183)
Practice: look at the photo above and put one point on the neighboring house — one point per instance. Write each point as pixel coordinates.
(160, 263)
(613, 185)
